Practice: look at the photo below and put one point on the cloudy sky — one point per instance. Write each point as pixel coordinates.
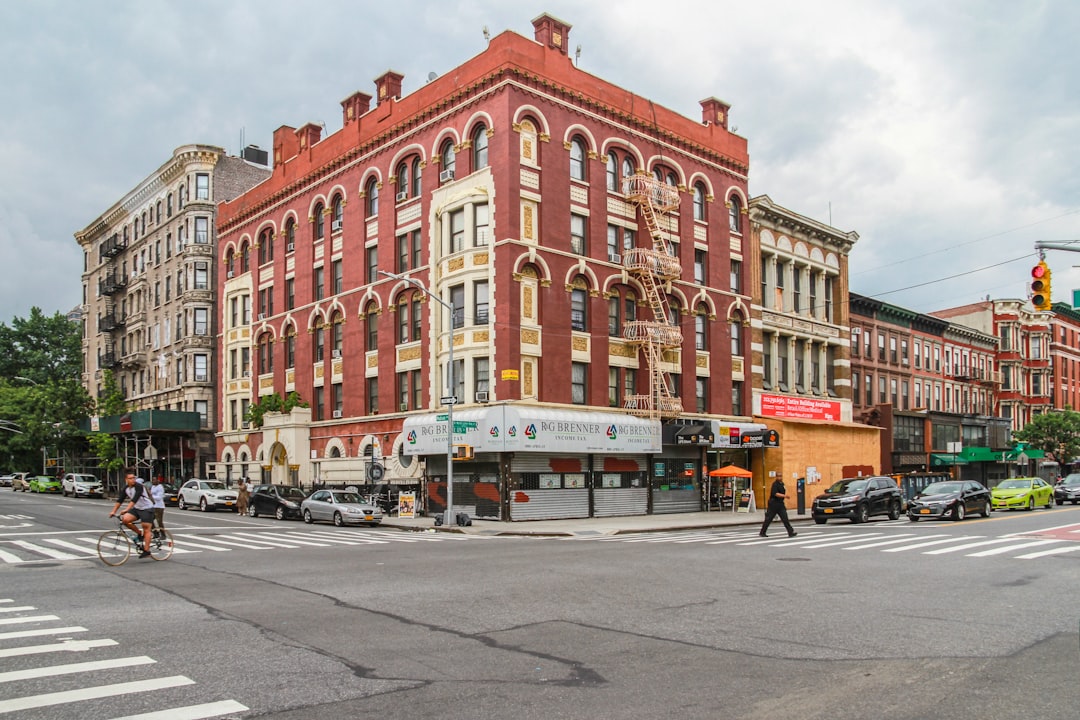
(946, 134)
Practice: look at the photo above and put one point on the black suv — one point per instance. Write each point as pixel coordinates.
(281, 501)
(859, 498)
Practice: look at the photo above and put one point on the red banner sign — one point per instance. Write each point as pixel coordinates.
(804, 408)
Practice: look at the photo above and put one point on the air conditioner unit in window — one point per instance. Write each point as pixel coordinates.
(230, 274)
(337, 414)
(262, 316)
(335, 226)
(404, 407)
(615, 258)
(245, 425)
(290, 247)
(247, 373)
(402, 196)
(481, 396)
(335, 353)
(446, 175)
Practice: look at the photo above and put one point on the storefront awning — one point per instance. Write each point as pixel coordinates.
(944, 459)
(980, 454)
(693, 434)
(509, 428)
(732, 435)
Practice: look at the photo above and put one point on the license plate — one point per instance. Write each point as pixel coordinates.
(228, 502)
(369, 517)
(924, 511)
(828, 510)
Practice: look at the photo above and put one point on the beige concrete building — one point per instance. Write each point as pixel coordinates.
(149, 306)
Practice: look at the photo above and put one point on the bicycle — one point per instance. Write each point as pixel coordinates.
(114, 546)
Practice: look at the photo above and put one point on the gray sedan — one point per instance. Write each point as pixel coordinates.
(340, 507)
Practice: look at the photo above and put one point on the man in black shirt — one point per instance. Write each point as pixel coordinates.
(777, 508)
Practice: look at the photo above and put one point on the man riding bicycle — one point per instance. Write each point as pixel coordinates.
(140, 508)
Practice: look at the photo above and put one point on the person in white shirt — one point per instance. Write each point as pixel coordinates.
(157, 494)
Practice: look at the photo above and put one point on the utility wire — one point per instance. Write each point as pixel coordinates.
(951, 277)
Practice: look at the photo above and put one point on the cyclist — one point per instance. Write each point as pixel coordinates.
(140, 507)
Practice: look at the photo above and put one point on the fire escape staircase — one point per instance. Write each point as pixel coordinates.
(654, 268)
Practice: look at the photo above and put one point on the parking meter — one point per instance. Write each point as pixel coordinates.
(800, 495)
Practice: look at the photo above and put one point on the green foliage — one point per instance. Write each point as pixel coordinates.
(1055, 433)
(111, 401)
(273, 403)
(103, 447)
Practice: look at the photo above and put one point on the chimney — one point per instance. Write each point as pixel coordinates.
(354, 106)
(308, 135)
(552, 32)
(388, 85)
(285, 145)
(714, 112)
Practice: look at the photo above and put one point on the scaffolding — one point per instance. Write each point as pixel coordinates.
(654, 268)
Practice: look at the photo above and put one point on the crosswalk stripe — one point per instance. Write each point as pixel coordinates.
(332, 541)
(916, 546)
(191, 712)
(967, 546)
(28, 619)
(72, 546)
(44, 550)
(906, 537)
(72, 668)
(842, 541)
(179, 540)
(19, 608)
(356, 539)
(69, 646)
(287, 538)
(43, 631)
(91, 693)
(9, 557)
(1011, 548)
(1051, 551)
(233, 543)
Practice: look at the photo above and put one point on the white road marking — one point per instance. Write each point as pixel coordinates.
(285, 538)
(69, 646)
(19, 608)
(1011, 548)
(91, 693)
(1051, 551)
(191, 712)
(44, 550)
(906, 537)
(967, 546)
(37, 633)
(30, 618)
(73, 668)
(918, 545)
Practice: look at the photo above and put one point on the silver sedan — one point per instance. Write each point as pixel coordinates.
(340, 507)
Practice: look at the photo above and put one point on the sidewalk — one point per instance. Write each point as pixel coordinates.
(596, 526)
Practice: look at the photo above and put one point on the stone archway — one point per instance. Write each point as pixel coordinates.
(279, 465)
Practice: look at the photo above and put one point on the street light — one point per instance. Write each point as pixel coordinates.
(452, 387)
(26, 379)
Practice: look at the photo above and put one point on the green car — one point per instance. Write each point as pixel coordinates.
(45, 484)
(1022, 493)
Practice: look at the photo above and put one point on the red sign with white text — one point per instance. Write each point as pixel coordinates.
(804, 408)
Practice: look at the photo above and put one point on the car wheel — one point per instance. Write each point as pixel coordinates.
(959, 511)
(1059, 502)
(203, 506)
(862, 514)
(1031, 503)
(280, 513)
(986, 509)
(181, 504)
(307, 517)
(252, 511)
(1049, 502)
(913, 518)
(894, 510)
(337, 519)
(820, 521)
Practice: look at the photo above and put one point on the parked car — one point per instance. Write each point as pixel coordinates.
(20, 481)
(1025, 492)
(44, 484)
(81, 485)
(172, 494)
(1068, 489)
(859, 498)
(281, 501)
(952, 498)
(340, 507)
(7, 480)
(206, 495)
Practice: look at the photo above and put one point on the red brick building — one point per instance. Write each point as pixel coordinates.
(591, 244)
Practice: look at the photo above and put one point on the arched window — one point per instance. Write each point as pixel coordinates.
(402, 181)
(337, 213)
(372, 316)
(245, 257)
(290, 235)
(622, 308)
(479, 148)
(577, 159)
(448, 161)
(674, 311)
(579, 306)
(266, 354)
(266, 246)
(627, 167)
(735, 327)
(338, 339)
(290, 347)
(417, 186)
(734, 214)
(320, 230)
(612, 172)
(699, 201)
(230, 262)
(701, 324)
(371, 197)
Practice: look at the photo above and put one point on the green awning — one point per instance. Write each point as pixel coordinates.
(1032, 453)
(976, 453)
(942, 459)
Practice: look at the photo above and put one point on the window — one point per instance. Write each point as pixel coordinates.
(479, 148)
(457, 306)
(699, 201)
(290, 347)
(737, 398)
(480, 300)
(481, 374)
(318, 286)
(339, 277)
(735, 214)
(406, 332)
(337, 213)
(371, 317)
(613, 240)
(202, 325)
(448, 160)
(699, 267)
(622, 308)
(403, 180)
(612, 172)
(202, 230)
(290, 235)
(372, 263)
(736, 276)
(766, 361)
(403, 253)
(416, 186)
(371, 199)
(457, 230)
(320, 228)
(338, 398)
(577, 234)
(578, 309)
(701, 388)
(882, 394)
(893, 358)
(701, 341)
(290, 293)
(881, 347)
(202, 365)
(319, 409)
(855, 388)
(829, 299)
(318, 344)
(266, 246)
(868, 392)
(480, 213)
(735, 327)
(337, 339)
(265, 354)
(783, 370)
(579, 373)
(627, 168)
(202, 188)
(577, 159)
(203, 408)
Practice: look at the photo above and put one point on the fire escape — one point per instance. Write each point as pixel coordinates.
(654, 268)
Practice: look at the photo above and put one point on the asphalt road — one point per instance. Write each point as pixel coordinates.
(259, 618)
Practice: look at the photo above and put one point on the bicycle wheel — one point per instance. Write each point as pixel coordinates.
(114, 547)
(161, 545)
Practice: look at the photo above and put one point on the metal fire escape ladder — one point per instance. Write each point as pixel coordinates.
(654, 268)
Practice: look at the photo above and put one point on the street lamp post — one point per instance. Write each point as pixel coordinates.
(44, 448)
(450, 390)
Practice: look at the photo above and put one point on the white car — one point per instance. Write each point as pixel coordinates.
(206, 495)
(81, 485)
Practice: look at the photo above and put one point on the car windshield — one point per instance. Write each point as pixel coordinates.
(850, 485)
(941, 488)
(292, 492)
(1014, 483)
(84, 478)
(347, 497)
(211, 485)
(1071, 480)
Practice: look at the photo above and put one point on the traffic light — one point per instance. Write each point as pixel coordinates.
(1040, 286)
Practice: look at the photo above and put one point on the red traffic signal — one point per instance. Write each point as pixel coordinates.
(1040, 286)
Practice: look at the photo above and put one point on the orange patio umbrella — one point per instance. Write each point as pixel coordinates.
(731, 471)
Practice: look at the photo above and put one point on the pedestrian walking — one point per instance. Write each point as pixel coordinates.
(776, 508)
(157, 494)
(242, 495)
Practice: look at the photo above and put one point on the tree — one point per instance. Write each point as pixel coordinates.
(111, 401)
(1055, 433)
